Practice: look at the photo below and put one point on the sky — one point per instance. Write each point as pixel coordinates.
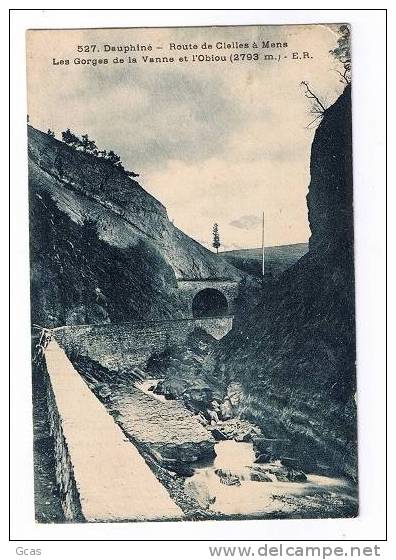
(213, 141)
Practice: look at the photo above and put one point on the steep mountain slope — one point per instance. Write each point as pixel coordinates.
(295, 355)
(102, 248)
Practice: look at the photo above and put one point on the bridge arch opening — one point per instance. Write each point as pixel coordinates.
(209, 303)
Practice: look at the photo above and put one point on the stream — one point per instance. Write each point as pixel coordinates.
(225, 487)
(250, 497)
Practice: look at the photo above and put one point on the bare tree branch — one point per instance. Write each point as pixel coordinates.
(344, 76)
(309, 94)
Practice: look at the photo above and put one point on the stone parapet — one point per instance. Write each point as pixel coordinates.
(100, 473)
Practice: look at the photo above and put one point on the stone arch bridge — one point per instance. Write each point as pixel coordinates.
(208, 304)
(209, 297)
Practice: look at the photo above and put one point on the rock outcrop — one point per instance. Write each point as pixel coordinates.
(295, 354)
(102, 248)
(165, 430)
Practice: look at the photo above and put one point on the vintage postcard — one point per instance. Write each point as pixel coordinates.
(192, 273)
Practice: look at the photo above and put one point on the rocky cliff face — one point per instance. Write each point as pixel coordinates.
(295, 355)
(94, 228)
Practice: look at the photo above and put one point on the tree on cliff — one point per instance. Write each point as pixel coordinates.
(70, 138)
(113, 158)
(131, 173)
(51, 133)
(343, 53)
(88, 145)
(216, 237)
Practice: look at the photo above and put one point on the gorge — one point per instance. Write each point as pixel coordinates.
(114, 284)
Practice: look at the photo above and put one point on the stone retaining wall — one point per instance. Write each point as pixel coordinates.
(126, 345)
(64, 474)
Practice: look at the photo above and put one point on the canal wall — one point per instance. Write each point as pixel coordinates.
(100, 473)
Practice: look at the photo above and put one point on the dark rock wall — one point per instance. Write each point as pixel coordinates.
(295, 354)
(69, 263)
(330, 196)
(92, 227)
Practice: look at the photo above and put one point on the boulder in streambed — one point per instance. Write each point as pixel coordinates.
(262, 458)
(257, 475)
(198, 395)
(288, 475)
(218, 434)
(237, 429)
(228, 478)
(275, 447)
(195, 393)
